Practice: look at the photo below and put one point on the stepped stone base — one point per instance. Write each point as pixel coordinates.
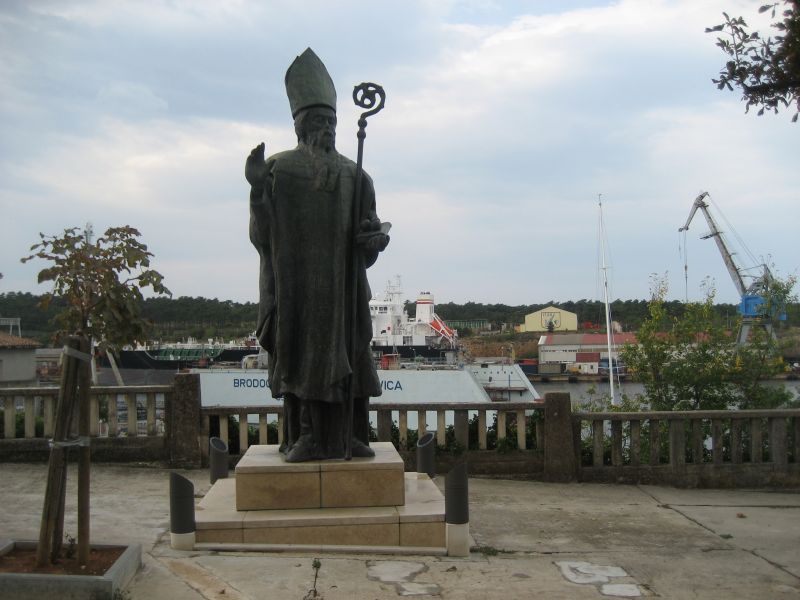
(414, 523)
(264, 481)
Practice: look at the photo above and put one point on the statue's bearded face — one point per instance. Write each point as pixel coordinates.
(317, 128)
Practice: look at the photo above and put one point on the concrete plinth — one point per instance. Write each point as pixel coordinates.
(265, 481)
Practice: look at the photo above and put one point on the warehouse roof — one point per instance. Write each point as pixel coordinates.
(585, 339)
(8, 341)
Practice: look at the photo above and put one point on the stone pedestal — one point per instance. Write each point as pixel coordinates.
(264, 481)
(366, 504)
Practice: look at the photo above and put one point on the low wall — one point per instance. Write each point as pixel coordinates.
(523, 464)
(130, 450)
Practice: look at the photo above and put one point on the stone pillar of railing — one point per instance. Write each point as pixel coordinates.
(183, 422)
(461, 427)
(560, 462)
(384, 425)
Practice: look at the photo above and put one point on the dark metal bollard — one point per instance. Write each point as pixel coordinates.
(456, 495)
(456, 510)
(217, 459)
(181, 512)
(426, 454)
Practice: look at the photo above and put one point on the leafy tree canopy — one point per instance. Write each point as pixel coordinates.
(767, 69)
(692, 362)
(99, 281)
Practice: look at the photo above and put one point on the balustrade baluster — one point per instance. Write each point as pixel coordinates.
(262, 429)
(440, 427)
(655, 442)
(717, 441)
(223, 429)
(130, 398)
(384, 425)
(501, 425)
(30, 417)
(736, 441)
(636, 442)
(777, 441)
(151, 413)
(598, 443)
(461, 427)
(756, 444)
(482, 443)
(698, 441)
(49, 412)
(113, 415)
(10, 418)
(403, 427)
(616, 443)
(677, 443)
(243, 431)
(521, 430)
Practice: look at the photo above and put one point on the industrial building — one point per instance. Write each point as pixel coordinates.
(17, 360)
(579, 352)
(550, 319)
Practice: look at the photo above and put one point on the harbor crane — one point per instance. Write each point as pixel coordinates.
(752, 294)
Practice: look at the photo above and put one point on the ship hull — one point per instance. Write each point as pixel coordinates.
(142, 359)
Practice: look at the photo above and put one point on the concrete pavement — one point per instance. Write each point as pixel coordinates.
(533, 540)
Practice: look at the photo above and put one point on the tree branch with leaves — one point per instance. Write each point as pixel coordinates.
(101, 282)
(767, 69)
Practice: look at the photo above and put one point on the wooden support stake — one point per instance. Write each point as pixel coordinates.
(84, 455)
(52, 524)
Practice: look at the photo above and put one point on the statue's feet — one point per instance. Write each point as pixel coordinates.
(361, 450)
(304, 449)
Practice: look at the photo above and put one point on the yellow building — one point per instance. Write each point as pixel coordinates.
(562, 320)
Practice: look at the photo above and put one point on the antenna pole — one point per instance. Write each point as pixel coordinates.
(604, 268)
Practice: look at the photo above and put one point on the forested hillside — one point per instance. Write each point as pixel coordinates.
(174, 319)
(591, 313)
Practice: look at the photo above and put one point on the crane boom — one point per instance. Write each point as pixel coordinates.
(727, 256)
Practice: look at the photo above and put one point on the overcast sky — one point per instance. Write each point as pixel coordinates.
(503, 123)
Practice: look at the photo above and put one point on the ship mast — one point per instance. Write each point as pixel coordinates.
(604, 269)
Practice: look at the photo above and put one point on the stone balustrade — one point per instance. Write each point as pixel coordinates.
(690, 448)
(718, 448)
(383, 414)
(116, 405)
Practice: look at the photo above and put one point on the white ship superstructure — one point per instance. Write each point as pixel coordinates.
(392, 328)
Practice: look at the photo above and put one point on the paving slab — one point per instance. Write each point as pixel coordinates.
(766, 523)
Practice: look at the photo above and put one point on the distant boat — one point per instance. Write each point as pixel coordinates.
(185, 355)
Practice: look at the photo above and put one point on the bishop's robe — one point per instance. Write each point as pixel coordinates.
(301, 226)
